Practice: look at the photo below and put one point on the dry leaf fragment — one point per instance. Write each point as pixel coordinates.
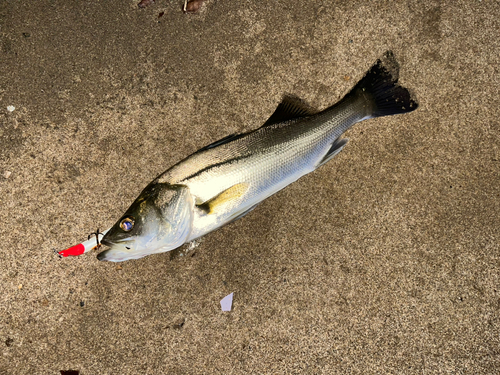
(192, 6)
(145, 3)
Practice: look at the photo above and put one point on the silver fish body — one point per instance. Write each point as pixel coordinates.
(225, 180)
(259, 164)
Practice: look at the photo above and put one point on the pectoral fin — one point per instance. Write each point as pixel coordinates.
(234, 193)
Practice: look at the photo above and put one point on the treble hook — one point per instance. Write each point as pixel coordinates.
(96, 234)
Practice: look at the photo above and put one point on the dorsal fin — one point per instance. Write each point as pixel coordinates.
(291, 107)
(226, 139)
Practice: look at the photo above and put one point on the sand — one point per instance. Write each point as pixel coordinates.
(385, 260)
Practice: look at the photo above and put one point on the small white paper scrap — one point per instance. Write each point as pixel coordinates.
(227, 302)
(11, 108)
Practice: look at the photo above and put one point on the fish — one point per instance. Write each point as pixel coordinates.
(224, 181)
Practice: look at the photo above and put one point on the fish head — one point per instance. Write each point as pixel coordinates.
(159, 220)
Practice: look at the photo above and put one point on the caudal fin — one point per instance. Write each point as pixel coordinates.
(381, 83)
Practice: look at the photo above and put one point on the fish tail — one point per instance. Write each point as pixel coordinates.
(380, 86)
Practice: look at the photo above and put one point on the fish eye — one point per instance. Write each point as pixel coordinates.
(127, 224)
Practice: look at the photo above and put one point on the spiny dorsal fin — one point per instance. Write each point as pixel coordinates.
(235, 192)
(291, 107)
(222, 141)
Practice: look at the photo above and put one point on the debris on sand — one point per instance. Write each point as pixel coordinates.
(227, 302)
(145, 3)
(192, 6)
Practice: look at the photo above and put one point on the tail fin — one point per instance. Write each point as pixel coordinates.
(389, 98)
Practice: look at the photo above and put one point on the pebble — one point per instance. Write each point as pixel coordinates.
(11, 108)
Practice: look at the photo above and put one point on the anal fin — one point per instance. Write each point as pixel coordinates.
(335, 148)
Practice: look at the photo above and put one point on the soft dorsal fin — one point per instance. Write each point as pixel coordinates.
(291, 107)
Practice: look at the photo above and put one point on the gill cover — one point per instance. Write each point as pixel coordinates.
(159, 220)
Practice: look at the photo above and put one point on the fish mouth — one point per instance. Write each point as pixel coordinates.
(118, 255)
(106, 242)
(102, 255)
(117, 252)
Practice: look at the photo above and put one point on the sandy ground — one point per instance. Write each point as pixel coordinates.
(386, 260)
